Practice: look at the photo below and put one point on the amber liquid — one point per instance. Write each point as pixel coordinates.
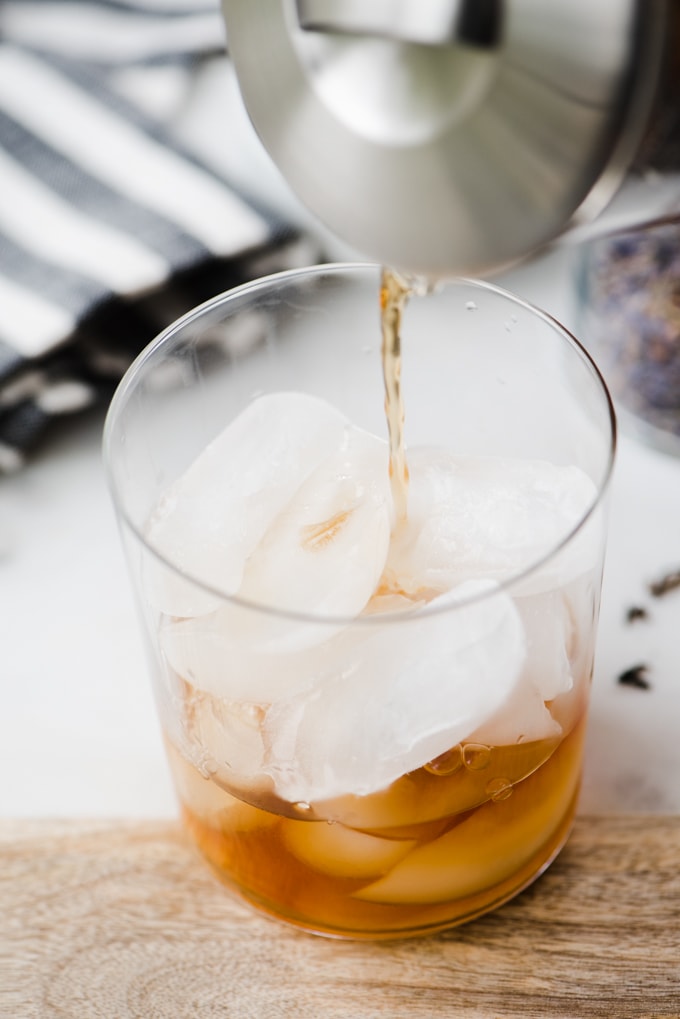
(437, 848)
(440, 846)
(394, 295)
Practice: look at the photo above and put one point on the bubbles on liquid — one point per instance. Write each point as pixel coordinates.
(511, 323)
(499, 789)
(470, 306)
(447, 763)
(476, 756)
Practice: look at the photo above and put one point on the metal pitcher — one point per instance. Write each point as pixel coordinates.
(447, 137)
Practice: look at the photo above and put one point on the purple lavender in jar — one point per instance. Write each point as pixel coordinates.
(630, 292)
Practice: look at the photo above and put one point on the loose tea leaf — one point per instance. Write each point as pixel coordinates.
(667, 583)
(635, 677)
(636, 612)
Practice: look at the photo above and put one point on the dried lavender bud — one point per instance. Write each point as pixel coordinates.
(665, 584)
(635, 677)
(636, 612)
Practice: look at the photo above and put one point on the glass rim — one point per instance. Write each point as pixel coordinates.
(126, 386)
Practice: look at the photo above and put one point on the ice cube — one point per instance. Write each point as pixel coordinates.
(406, 694)
(580, 600)
(335, 849)
(489, 517)
(325, 552)
(487, 848)
(321, 558)
(224, 740)
(548, 628)
(211, 518)
(210, 802)
(524, 717)
(220, 653)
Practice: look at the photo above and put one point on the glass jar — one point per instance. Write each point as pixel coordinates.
(629, 317)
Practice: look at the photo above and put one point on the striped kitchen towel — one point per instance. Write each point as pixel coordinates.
(109, 226)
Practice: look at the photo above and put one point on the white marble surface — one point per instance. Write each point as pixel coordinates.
(78, 733)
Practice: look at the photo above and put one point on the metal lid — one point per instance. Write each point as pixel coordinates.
(448, 136)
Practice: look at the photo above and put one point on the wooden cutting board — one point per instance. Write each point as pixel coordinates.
(122, 920)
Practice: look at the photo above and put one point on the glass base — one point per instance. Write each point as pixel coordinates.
(460, 912)
(345, 882)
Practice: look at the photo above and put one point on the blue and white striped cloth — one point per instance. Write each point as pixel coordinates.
(109, 227)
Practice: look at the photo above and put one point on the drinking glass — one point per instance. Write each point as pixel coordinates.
(404, 768)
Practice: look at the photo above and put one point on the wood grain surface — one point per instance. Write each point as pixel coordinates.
(110, 919)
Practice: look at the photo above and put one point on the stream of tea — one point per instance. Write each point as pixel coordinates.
(395, 292)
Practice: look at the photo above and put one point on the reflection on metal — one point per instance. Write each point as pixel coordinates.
(429, 22)
(456, 137)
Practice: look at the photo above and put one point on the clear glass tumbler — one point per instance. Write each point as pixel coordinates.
(374, 726)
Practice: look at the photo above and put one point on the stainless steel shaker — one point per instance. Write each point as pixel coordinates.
(447, 137)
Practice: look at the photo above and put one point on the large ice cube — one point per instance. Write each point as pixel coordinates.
(489, 517)
(342, 852)
(220, 653)
(488, 847)
(210, 520)
(321, 559)
(525, 717)
(409, 692)
(223, 739)
(325, 552)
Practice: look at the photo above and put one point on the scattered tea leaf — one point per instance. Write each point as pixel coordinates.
(636, 612)
(667, 583)
(636, 676)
